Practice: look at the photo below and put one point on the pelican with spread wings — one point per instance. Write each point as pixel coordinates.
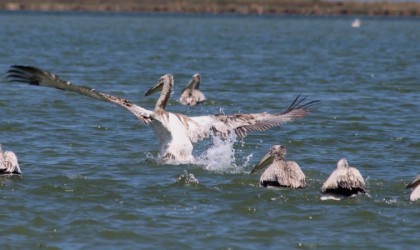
(176, 132)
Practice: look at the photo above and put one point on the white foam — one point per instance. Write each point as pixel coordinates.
(220, 157)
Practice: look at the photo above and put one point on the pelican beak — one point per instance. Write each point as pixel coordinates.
(265, 161)
(156, 88)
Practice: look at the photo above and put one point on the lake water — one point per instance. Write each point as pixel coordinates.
(91, 179)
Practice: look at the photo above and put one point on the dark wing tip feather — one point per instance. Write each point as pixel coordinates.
(299, 103)
(31, 75)
(24, 74)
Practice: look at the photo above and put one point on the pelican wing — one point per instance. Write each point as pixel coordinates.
(223, 125)
(332, 181)
(9, 164)
(35, 76)
(415, 194)
(290, 175)
(344, 179)
(354, 179)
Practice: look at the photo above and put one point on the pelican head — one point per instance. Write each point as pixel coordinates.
(165, 82)
(165, 85)
(195, 82)
(342, 164)
(276, 152)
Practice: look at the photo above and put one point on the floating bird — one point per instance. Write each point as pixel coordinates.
(176, 132)
(191, 95)
(415, 185)
(344, 181)
(356, 23)
(8, 163)
(280, 173)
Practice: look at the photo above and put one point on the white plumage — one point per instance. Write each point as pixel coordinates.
(8, 163)
(415, 185)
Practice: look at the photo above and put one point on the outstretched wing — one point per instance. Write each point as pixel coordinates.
(35, 76)
(241, 124)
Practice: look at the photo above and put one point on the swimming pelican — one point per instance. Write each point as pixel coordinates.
(344, 181)
(176, 132)
(356, 23)
(8, 163)
(191, 95)
(280, 172)
(415, 184)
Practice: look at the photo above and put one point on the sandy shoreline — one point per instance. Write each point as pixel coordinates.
(298, 7)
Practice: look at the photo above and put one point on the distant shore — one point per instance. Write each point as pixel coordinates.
(280, 7)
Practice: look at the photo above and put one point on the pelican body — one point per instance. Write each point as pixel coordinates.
(8, 163)
(415, 185)
(280, 173)
(344, 181)
(176, 132)
(191, 95)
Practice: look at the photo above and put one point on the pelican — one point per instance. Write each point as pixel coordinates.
(280, 173)
(415, 185)
(176, 133)
(191, 95)
(356, 23)
(8, 163)
(344, 181)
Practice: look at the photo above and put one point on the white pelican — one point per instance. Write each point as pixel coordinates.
(344, 181)
(176, 132)
(280, 173)
(356, 23)
(191, 95)
(415, 185)
(8, 163)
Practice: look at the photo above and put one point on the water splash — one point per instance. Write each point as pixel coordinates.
(220, 157)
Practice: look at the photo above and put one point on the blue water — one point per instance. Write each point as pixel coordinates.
(90, 175)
